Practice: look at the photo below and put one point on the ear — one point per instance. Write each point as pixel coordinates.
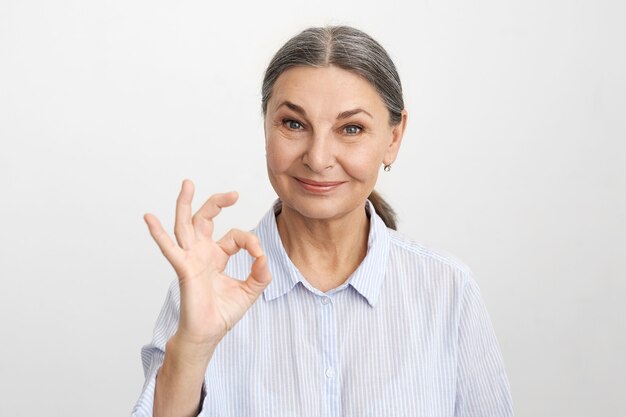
(265, 130)
(397, 133)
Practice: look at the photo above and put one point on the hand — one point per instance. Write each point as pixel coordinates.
(210, 301)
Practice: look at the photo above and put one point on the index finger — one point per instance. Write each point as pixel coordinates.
(203, 219)
(182, 227)
(237, 239)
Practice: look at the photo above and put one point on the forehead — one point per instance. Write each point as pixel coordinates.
(328, 88)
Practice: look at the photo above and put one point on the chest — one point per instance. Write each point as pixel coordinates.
(335, 356)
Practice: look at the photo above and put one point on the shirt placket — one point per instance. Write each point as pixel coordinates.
(330, 357)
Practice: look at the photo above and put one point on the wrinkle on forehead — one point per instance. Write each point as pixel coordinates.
(328, 93)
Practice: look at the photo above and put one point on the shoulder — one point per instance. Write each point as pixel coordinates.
(410, 254)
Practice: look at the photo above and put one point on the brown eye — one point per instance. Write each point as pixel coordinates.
(352, 129)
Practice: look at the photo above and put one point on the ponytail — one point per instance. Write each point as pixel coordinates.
(384, 210)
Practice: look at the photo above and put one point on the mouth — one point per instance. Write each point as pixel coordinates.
(317, 187)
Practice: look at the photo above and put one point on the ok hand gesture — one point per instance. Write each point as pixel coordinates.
(210, 301)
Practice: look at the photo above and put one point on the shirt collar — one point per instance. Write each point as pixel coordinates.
(367, 280)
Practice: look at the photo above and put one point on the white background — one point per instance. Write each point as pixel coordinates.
(513, 161)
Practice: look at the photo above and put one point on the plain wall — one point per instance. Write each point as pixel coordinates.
(513, 161)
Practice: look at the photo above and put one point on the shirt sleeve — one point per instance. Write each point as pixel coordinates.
(482, 384)
(153, 353)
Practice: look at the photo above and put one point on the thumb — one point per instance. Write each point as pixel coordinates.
(259, 277)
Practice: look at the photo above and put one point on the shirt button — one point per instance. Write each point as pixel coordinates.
(325, 300)
(330, 372)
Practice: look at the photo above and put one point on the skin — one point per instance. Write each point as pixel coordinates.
(210, 301)
(327, 133)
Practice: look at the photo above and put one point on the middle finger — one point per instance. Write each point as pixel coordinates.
(203, 219)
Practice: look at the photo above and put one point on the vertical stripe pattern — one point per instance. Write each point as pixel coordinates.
(406, 335)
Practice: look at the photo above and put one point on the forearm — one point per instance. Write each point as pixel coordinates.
(179, 381)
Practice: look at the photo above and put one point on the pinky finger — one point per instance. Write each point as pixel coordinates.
(160, 236)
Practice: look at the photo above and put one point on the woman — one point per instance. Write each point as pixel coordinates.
(355, 319)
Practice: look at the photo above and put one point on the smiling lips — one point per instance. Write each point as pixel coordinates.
(316, 187)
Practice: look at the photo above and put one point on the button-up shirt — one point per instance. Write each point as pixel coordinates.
(406, 335)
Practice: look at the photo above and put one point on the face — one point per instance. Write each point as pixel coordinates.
(327, 136)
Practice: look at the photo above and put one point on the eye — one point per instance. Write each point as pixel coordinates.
(352, 129)
(292, 124)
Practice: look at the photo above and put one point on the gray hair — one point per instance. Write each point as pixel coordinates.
(352, 50)
(344, 47)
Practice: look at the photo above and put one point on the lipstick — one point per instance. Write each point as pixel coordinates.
(317, 187)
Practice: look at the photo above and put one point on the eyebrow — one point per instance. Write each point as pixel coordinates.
(292, 106)
(349, 113)
(342, 115)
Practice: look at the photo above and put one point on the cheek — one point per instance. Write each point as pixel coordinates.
(279, 156)
(362, 164)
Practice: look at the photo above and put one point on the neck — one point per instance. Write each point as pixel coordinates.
(326, 252)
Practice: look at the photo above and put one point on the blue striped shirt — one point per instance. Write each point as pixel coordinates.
(406, 335)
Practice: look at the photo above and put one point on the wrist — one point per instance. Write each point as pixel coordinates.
(178, 390)
(189, 353)
(184, 358)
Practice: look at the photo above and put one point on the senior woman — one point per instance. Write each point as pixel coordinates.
(328, 311)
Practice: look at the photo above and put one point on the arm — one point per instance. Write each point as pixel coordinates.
(178, 389)
(210, 301)
(159, 356)
(482, 385)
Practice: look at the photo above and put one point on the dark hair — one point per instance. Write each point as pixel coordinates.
(352, 50)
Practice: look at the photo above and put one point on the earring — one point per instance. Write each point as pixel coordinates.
(387, 167)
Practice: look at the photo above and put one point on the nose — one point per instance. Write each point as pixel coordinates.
(319, 154)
